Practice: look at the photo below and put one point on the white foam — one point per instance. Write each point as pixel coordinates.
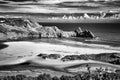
(91, 45)
(30, 48)
(29, 51)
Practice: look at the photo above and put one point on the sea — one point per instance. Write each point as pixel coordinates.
(107, 37)
(107, 41)
(106, 33)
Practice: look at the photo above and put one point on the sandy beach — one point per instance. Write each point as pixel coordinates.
(25, 51)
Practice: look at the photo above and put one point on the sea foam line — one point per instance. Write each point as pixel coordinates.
(91, 45)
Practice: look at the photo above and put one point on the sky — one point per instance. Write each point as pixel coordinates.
(58, 6)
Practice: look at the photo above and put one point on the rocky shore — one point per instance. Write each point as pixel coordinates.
(19, 28)
(113, 58)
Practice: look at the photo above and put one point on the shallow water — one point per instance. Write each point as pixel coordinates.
(22, 51)
(107, 41)
(108, 33)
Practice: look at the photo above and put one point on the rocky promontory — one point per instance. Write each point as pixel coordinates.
(19, 28)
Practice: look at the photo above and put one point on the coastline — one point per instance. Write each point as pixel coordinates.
(33, 49)
(73, 54)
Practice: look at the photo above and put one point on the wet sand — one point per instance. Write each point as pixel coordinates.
(23, 56)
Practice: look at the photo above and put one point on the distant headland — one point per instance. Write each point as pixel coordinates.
(19, 28)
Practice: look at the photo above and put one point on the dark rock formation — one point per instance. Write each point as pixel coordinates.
(50, 56)
(54, 56)
(113, 58)
(19, 28)
(74, 57)
(44, 56)
(84, 34)
(2, 46)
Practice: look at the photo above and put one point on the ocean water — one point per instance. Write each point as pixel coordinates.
(107, 41)
(106, 33)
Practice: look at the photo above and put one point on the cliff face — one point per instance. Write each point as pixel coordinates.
(17, 28)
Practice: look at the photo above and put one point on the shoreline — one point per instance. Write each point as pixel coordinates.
(71, 70)
(31, 50)
(55, 65)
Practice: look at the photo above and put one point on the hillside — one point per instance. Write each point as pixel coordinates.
(19, 28)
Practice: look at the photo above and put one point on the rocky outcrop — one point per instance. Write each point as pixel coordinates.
(18, 28)
(50, 56)
(84, 34)
(52, 31)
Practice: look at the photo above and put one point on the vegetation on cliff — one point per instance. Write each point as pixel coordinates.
(19, 28)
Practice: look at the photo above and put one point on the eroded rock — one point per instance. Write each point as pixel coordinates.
(17, 28)
(84, 34)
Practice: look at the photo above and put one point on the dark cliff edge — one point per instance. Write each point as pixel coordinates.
(19, 28)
